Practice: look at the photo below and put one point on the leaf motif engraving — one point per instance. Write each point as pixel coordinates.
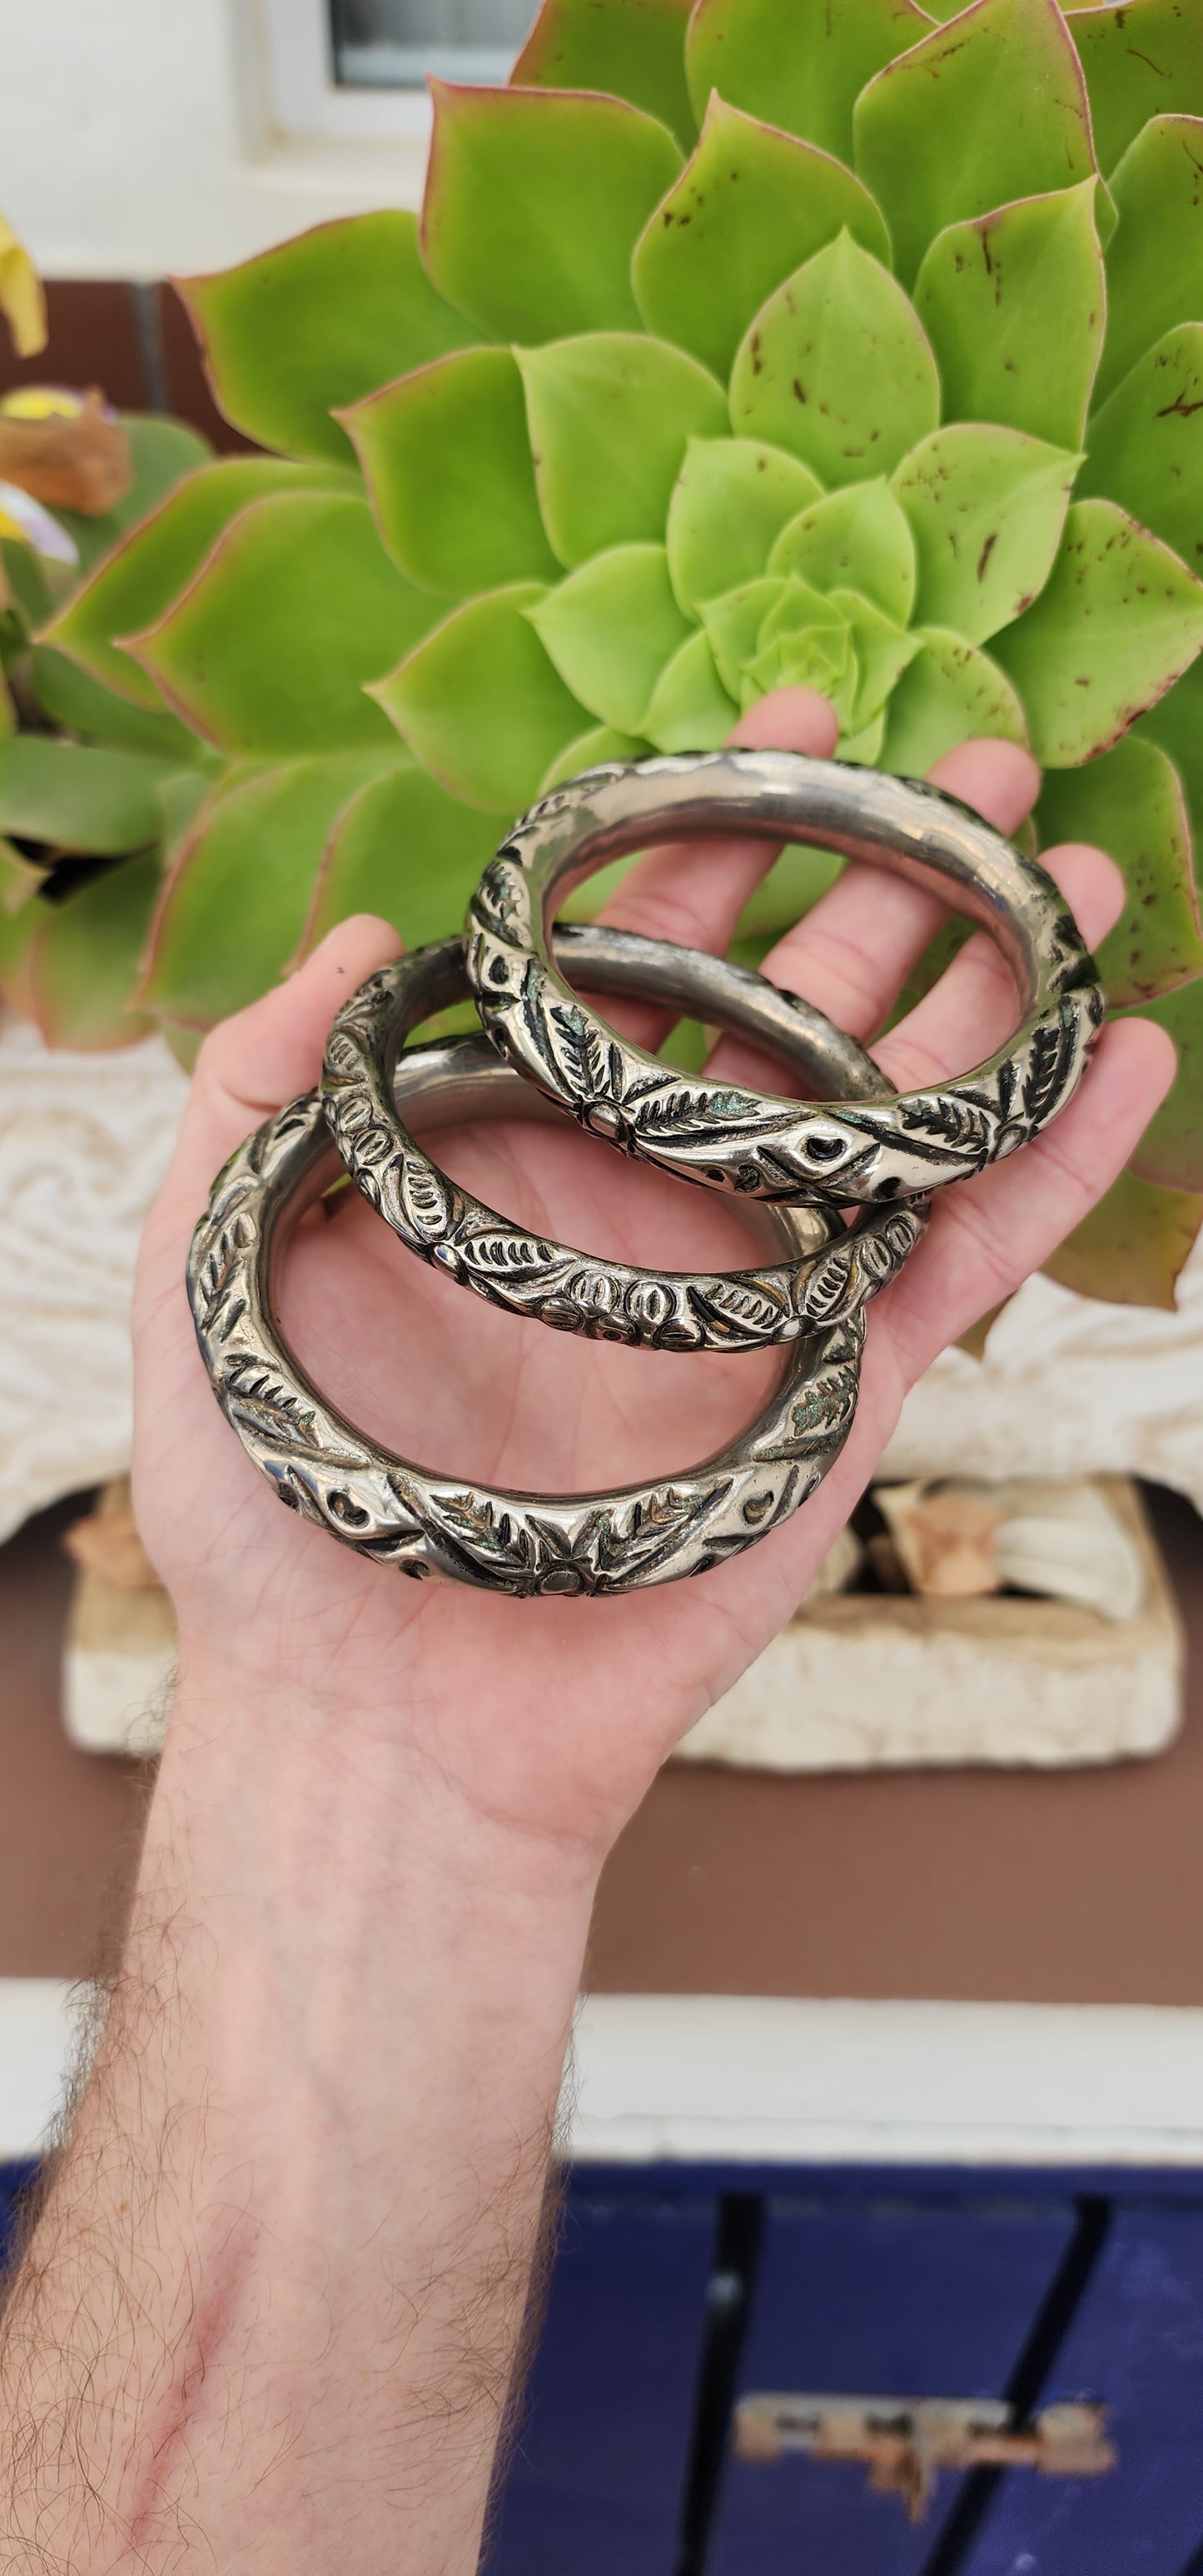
(500, 898)
(425, 1200)
(501, 1251)
(828, 1285)
(373, 1145)
(222, 1261)
(964, 1130)
(264, 1405)
(585, 1056)
(1042, 1080)
(344, 1055)
(748, 1306)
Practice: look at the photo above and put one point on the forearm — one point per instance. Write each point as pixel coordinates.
(272, 2306)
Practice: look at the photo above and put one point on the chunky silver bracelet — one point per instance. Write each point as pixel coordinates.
(584, 1292)
(430, 1525)
(734, 1139)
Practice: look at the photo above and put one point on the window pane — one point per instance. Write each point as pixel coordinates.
(392, 44)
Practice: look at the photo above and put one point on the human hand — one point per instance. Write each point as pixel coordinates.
(550, 1717)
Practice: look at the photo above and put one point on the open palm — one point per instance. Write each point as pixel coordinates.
(552, 1716)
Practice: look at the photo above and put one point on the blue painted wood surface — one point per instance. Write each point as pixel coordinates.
(13, 2180)
(1136, 2342)
(596, 2484)
(882, 2299)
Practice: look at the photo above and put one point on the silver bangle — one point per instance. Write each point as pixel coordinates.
(583, 1292)
(737, 1140)
(465, 1532)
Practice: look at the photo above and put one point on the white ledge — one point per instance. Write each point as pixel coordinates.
(749, 2079)
(695, 2079)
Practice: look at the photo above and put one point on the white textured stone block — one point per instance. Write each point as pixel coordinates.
(872, 1681)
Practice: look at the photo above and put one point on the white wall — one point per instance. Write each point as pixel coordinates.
(142, 137)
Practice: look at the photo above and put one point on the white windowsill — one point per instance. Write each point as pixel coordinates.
(745, 2079)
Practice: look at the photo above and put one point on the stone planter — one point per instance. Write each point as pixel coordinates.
(870, 1681)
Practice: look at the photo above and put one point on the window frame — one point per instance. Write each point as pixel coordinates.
(306, 103)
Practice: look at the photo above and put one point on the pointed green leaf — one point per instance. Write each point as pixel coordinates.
(270, 647)
(91, 803)
(986, 509)
(837, 369)
(1119, 620)
(749, 208)
(180, 797)
(298, 332)
(18, 930)
(857, 539)
(689, 708)
(1171, 1148)
(236, 900)
(1146, 444)
(593, 44)
(404, 849)
(611, 415)
(990, 108)
(535, 200)
(865, 746)
(883, 653)
(19, 880)
(730, 500)
(1155, 263)
(951, 693)
(25, 597)
(162, 452)
(610, 629)
(733, 625)
(1133, 1245)
(1130, 802)
(1014, 305)
(602, 742)
(1139, 57)
(138, 583)
(81, 963)
(797, 63)
(480, 703)
(448, 466)
(1176, 722)
(78, 704)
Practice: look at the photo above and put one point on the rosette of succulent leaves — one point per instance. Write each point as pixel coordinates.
(754, 343)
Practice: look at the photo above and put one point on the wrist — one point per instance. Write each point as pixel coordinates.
(301, 1756)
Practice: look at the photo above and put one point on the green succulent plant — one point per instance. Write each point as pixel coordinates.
(737, 345)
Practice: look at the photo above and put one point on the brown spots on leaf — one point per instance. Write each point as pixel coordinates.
(987, 551)
(1138, 57)
(1185, 410)
(798, 391)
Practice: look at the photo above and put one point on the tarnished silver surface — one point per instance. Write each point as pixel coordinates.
(583, 1292)
(449, 1527)
(738, 1140)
